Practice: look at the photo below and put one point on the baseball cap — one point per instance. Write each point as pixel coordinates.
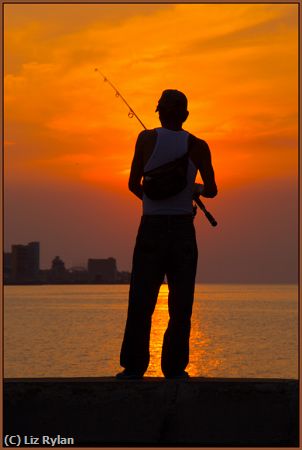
(172, 99)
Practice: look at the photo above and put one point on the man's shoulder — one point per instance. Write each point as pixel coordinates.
(147, 134)
(198, 145)
(145, 144)
(146, 137)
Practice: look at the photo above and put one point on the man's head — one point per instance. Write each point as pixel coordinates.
(172, 107)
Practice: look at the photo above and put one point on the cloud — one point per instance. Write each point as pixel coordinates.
(73, 141)
(260, 34)
(41, 30)
(239, 100)
(60, 19)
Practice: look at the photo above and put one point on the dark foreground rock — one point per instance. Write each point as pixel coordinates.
(151, 412)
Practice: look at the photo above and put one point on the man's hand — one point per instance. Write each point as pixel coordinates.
(198, 189)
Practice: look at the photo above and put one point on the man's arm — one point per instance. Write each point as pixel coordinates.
(137, 168)
(201, 156)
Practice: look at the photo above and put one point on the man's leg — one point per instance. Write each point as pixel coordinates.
(146, 279)
(181, 280)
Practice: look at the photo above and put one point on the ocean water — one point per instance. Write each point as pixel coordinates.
(66, 331)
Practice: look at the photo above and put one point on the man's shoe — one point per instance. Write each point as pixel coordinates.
(179, 376)
(127, 375)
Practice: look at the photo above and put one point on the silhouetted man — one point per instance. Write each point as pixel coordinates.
(166, 242)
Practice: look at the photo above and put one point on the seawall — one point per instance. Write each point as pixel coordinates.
(154, 411)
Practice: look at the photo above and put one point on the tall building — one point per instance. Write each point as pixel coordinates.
(102, 270)
(58, 273)
(58, 266)
(25, 262)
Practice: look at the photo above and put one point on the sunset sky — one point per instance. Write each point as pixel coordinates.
(69, 142)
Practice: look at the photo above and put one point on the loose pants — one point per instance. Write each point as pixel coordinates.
(165, 245)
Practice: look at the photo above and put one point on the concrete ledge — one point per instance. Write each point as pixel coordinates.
(155, 411)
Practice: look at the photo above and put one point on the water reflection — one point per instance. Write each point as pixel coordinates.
(159, 324)
(237, 331)
(202, 362)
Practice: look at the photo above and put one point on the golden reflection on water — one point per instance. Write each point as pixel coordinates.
(198, 352)
(237, 331)
(159, 324)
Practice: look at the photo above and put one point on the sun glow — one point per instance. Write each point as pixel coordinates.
(69, 141)
(159, 324)
(198, 337)
(228, 59)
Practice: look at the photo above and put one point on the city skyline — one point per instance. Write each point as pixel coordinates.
(69, 142)
(22, 266)
(82, 264)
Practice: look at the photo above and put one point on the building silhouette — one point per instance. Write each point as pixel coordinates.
(58, 272)
(78, 275)
(58, 266)
(22, 266)
(102, 270)
(25, 262)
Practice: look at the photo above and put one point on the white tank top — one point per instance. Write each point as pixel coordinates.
(169, 146)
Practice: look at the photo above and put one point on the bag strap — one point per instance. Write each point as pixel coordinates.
(184, 156)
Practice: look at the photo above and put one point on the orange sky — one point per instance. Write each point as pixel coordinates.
(237, 64)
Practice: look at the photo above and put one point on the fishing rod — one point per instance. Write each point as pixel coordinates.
(131, 114)
(208, 215)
